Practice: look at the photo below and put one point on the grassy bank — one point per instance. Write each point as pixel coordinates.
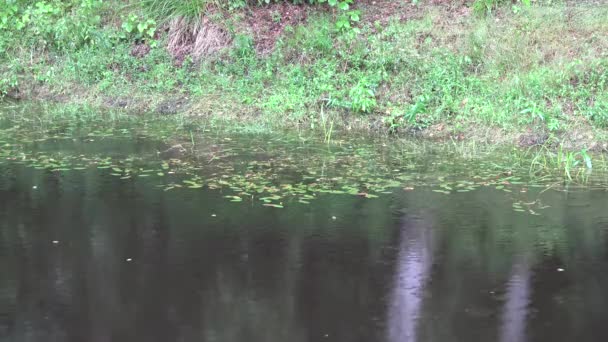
(508, 73)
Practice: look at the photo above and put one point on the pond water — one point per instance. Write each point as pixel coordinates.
(246, 238)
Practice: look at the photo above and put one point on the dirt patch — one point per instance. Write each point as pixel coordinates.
(172, 106)
(382, 11)
(578, 136)
(533, 138)
(267, 23)
(581, 137)
(14, 94)
(117, 102)
(140, 50)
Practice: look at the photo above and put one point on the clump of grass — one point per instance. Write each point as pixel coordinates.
(198, 38)
(190, 30)
(569, 164)
(189, 10)
(327, 128)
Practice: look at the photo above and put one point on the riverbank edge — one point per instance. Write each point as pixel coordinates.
(441, 39)
(579, 136)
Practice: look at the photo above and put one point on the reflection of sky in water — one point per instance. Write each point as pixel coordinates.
(514, 312)
(414, 263)
(413, 268)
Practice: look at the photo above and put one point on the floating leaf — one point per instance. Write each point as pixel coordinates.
(272, 205)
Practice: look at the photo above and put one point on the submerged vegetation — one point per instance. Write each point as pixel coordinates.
(491, 71)
(274, 170)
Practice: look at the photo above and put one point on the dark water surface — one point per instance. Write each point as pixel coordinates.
(88, 256)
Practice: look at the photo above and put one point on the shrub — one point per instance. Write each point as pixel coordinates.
(55, 24)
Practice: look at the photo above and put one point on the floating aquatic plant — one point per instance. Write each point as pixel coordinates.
(271, 171)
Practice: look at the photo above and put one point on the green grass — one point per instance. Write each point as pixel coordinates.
(191, 9)
(543, 69)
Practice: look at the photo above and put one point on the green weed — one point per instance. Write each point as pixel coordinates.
(138, 29)
(170, 9)
(571, 164)
(410, 118)
(328, 128)
(362, 96)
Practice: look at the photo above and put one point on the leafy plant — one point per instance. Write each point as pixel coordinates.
(8, 14)
(553, 124)
(398, 119)
(243, 47)
(568, 161)
(531, 114)
(346, 17)
(138, 28)
(362, 96)
(599, 113)
(44, 24)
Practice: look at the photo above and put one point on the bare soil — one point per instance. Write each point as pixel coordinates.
(267, 23)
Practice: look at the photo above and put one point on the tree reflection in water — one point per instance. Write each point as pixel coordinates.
(413, 267)
(515, 310)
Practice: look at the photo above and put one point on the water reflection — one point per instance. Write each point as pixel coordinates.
(454, 268)
(515, 311)
(413, 267)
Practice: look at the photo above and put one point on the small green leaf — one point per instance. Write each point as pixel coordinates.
(272, 205)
